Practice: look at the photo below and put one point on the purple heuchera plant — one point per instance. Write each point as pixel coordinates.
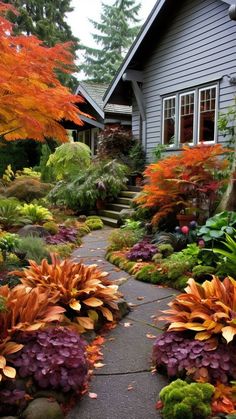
(181, 356)
(55, 358)
(142, 250)
(65, 234)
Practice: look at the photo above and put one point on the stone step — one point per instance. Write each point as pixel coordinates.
(123, 200)
(133, 188)
(109, 214)
(128, 194)
(117, 207)
(109, 221)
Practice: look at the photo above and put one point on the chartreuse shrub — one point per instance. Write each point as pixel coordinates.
(36, 214)
(8, 243)
(54, 358)
(84, 291)
(51, 227)
(94, 223)
(186, 401)
(69, 159)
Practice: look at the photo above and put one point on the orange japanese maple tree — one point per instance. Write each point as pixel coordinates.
(191, 174)
(32, 100)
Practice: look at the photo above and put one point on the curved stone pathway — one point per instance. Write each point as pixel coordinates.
(125, 386)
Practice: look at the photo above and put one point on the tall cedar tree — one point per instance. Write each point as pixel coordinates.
(114, 37)
(32, 100)
(46, 19)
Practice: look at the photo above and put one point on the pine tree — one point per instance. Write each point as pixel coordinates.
(45, 19)
(114, 37)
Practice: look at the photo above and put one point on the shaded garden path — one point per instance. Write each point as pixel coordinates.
(125, 386)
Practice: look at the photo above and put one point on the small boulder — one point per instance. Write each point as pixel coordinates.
(33, 230)
(82, 218)
(43, 408)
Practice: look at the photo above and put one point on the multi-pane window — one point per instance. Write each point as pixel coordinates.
(186, 117)
(207, 114)
(169, 120)
(190, 117)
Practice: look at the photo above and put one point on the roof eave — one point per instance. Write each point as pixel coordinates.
(83, 92)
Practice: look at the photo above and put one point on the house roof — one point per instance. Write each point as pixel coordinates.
(94, 92)
(130, 59)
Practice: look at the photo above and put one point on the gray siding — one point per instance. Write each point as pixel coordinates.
(198, 47)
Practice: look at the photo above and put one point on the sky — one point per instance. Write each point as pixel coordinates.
(91, 9)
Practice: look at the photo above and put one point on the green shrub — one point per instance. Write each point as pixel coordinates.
(101, 181)
(26, 189)
(27, 171)
(9, 213)
(36, 214)
(186, 401)
(33, 247)
(158, 277)
(201, 271)
(62, 250)
(216, 227)
(166, 250)
(51, 227)
(94, 223)
(122, 239)
(69, 159)
(145, 273)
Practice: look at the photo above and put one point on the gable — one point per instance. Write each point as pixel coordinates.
(157, 22)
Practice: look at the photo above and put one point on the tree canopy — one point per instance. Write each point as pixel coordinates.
(116, 30)
(46, 20)
(32, 100)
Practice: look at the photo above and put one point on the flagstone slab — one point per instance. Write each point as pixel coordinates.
(130, 396)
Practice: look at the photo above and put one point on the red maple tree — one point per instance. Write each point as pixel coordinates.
(32, 100)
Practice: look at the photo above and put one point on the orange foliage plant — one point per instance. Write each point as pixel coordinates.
(208, 309)
(75, 286)
(32, 100)
(192, 174)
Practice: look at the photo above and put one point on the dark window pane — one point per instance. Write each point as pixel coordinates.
(207, 115)
(169, 121)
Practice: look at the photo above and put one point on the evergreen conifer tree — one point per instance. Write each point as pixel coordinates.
(117, 29)
(45, 19)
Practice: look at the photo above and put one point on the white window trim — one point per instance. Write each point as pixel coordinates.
(196, 127)
(216, 113)
(194, 119)
(175, 144)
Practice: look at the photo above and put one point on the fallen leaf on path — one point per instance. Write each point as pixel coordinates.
(150, 336)
(93, 395)
(111, 339)
(140, 298)
(159, 405)
(130, 387)
(132, 305)
(117, 270)
(127, 324)
(99, 365)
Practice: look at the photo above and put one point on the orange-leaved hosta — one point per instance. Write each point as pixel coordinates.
(84, 289)
(208, 309)
(173, 181)
(22, 310)
(33, 103)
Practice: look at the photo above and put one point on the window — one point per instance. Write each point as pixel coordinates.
(169, 120)
(186, 117)
(190, 117)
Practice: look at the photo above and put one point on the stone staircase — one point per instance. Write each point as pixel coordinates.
(111, 214)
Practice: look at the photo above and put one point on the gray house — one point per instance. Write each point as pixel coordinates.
(179, 73)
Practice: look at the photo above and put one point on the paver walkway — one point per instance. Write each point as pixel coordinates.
(125, 386)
